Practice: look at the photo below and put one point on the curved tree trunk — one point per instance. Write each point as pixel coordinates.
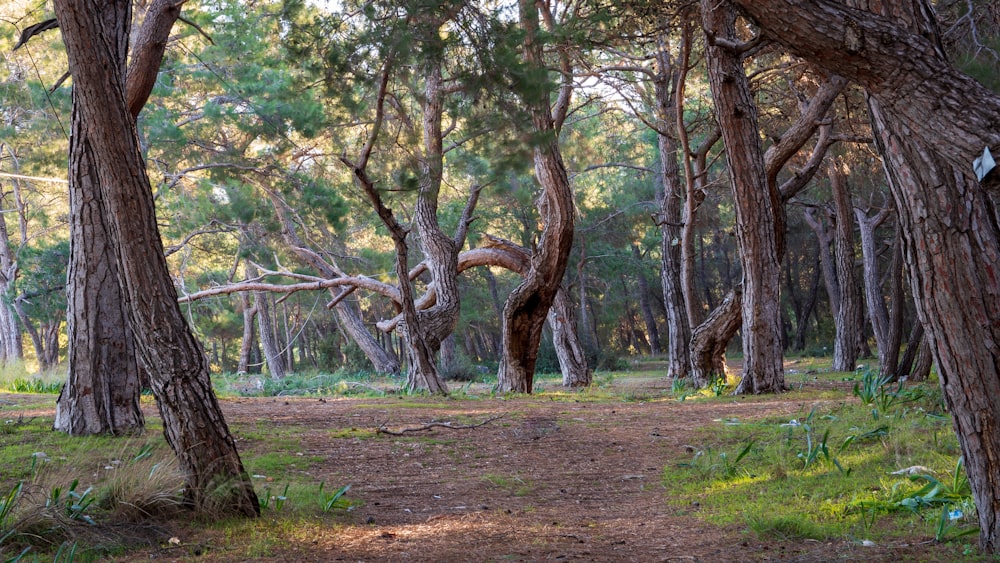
(930, 121)
(528, 305)
(96, 38)
(710, 339)
(759, 220)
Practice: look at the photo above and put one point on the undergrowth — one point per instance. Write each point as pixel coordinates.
(884, 467)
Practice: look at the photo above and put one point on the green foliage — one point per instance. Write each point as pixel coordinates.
(828, 471)
(875, 390)
(336, 499)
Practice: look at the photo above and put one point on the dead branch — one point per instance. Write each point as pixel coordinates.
(383, 429)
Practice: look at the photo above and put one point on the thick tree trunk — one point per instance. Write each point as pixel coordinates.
(759, 219)
(710, 339)
(96, 38)
(847, 324)
(930, 121)
(101, 395)
(528, 305)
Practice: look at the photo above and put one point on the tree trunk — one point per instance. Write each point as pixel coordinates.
(826, 262)
(877, 312)
(96, 38)
(898, 304)
(710, 339)
(246, 346)
(665, 83)
(528, 305)
(572, 359)
(905, 366)
(266, 329)
(647, 308)
(847, 324)
(930, 121)
(759, 220)
(101, 394)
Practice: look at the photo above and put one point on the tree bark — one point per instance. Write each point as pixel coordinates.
(572, 358)
(528, 305)
(647, 314)
(710, 339)
(930, 121)
(246, 344)
(665, 86)
(758, 204)
(102, 390)
(96, 38)
(878, 314)
(266, 328)
(848, 326)
(825, 238)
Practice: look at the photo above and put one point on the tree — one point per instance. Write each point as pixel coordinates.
(528, 305)
(758, 204)
(101, 394)
(96, 37)
(930, 121)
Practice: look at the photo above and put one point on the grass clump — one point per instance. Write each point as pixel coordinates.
(854, 473)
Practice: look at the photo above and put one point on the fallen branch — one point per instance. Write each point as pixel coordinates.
(382, 429)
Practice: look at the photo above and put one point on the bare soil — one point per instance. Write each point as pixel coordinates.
(550, 480)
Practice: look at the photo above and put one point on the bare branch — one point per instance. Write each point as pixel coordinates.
(383, 429)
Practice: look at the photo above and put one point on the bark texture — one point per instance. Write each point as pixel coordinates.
(665, 86)
(757, 201)
(528, 305)
(102, 390)
(710, 339)
(96, 38)
(847, 324)
(930, 121)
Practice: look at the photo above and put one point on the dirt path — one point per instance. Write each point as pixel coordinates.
(550, 480)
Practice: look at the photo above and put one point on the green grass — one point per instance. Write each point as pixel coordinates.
(826, 472)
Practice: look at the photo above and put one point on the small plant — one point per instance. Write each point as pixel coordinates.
(335, 500)
(279, 500)
(680, 387)
(874, 390)
(722, 464)
(718, 385)
(75, 503)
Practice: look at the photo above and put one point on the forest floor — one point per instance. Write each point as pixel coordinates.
(555, 476)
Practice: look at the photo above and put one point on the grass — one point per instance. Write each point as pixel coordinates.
(828, 471)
